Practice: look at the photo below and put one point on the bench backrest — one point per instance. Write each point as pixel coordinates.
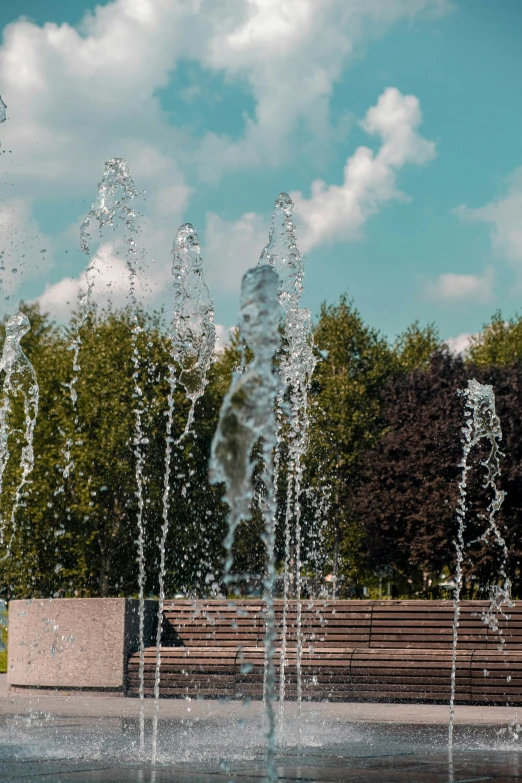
(378, 624)
(216, 623)
(429, 624)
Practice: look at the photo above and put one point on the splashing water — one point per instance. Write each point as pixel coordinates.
(3, 111)
(320, 502)
(192, 341)
(246, 415)
(296, 367)
(19, 380)
(193, 336)
(113, 207)
(482, 423)
(110, 207)
(500, 595)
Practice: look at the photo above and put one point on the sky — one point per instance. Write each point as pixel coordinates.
(395, 125)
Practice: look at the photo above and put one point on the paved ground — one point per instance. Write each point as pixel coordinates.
(314, 769)
(79, 704)
(95, 739)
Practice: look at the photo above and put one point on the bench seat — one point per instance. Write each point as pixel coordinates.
(352, 651)
(186, 671)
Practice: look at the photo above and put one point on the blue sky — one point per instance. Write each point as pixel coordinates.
(409, 112)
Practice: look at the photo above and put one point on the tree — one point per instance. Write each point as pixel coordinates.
(407, 487)
(499, 344)
(416, 346)
(345, 406)
(408, 484)
(76, 533)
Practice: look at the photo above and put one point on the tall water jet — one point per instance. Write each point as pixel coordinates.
(115, 190)
(247, 415)
(481, 423)
(192, 339)
(19, 381)
(112, 208)
(319, 499)
(296, 367)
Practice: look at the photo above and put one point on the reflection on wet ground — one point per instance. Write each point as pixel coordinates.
(99, 750)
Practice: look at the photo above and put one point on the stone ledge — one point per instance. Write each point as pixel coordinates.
(75, 644)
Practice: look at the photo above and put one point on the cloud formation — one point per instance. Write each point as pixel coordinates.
(451, 287)
(460, 344)
(232, 247)
(337, 212)
(291, 54)
(503, 215)
(110, 284)
(75, 94)
(79, 96)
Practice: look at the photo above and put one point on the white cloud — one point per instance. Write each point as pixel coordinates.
(79, 96)
(503, 215)
(337, 212)
(232, 247)
(222, 337)
(460, 343)
(450, 287)
(59, 298)
(291, 53)
(110, 284)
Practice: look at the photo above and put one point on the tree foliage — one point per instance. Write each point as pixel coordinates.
(499, 344)
(76, 534)
(385, 447)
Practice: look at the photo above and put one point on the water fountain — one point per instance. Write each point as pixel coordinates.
(266, 406)
(19, 381)
(481, 424)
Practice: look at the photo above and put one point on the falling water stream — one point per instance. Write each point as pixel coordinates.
(113, 208)
(122, 184)
(19, 382)
(192, 341)
(481, 423)
(296, 365)
(246, 415)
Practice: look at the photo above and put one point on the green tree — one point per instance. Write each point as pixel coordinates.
(499, 344)
(416, 346)
(345, 405)
(76, 533)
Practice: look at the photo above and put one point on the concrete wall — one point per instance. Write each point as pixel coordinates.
(69, 643)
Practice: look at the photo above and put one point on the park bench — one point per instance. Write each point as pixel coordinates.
(352, 651)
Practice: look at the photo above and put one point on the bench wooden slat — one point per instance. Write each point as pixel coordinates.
(359, 650)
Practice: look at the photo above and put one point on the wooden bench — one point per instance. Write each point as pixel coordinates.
(352, 651)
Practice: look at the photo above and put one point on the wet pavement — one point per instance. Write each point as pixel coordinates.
(79, 739)
(308, 766)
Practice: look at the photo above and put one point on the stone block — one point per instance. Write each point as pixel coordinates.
(75, 643)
